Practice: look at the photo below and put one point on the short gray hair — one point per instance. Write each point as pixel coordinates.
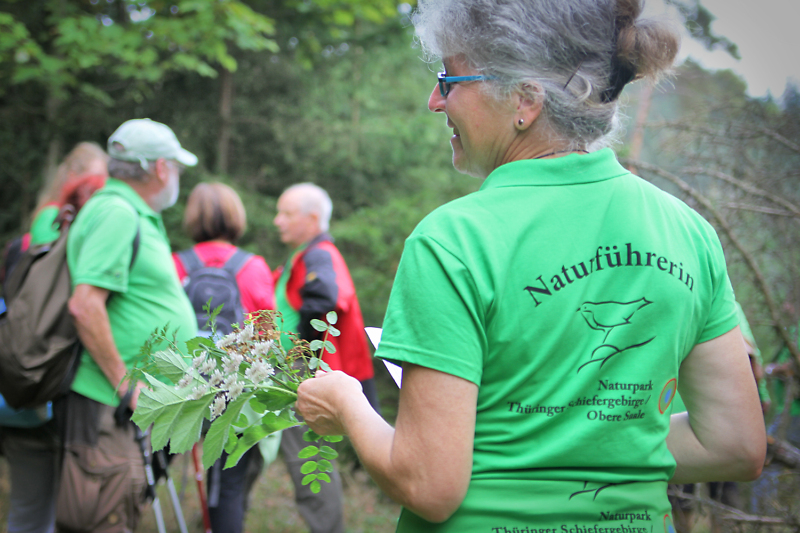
(580, 52)
(128, 170)
(314, 199)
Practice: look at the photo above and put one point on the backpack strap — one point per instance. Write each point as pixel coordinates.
(191, 261)
(237, 261)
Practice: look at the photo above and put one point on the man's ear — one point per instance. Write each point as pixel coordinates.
(161, 171)
(529, 101)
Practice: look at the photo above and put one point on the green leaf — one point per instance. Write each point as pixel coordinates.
(170, 413)
(333, 332)
(325, 466)
(233, 440)
(311, 436)
(219, 432)
(273, 422)
(249, 438)
(331, 317)
(308, 479)
(170, 364)
(333, 438)
(275, 400)
(328, 453)
(315, 487)
(322, 476)
(307, 452)
(308, 467)
(315, 345)
(196, 345)
(319, 325)
(329, 347)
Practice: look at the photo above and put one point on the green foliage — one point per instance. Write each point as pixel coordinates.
(244, 383)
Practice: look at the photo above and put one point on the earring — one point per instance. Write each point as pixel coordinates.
(521, 121)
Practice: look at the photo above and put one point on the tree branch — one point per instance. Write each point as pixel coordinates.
(783, 332)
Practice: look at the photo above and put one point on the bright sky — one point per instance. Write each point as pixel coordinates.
(767, 33)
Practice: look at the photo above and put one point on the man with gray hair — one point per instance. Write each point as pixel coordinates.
(314, 281)
(124, 287)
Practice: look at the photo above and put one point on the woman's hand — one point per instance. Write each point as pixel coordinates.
(321, 401)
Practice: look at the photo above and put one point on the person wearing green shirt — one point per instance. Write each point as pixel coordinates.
(124, 288)
(32, 449)
(545, 322)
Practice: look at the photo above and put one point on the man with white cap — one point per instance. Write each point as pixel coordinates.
(124, 287)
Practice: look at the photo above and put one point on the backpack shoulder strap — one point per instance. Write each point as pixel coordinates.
(237, 261)
(191, 261)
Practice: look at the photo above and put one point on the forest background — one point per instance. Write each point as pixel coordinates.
(269, 93)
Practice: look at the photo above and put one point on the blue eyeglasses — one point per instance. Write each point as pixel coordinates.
(445, 81)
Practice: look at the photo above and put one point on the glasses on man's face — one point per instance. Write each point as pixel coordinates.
(446, 82)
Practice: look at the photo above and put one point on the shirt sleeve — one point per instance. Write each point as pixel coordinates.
(722, 316)
(436, 317)
(105, 247)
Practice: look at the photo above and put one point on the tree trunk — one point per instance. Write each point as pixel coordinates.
(225, 123)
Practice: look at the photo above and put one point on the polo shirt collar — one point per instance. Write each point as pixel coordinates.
(571, 169)
(119, 187)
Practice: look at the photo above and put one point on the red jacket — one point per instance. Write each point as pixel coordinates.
(319, 282)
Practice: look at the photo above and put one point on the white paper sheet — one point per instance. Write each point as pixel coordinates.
(395, 371)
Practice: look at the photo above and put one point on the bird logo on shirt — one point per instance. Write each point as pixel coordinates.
(605, 316)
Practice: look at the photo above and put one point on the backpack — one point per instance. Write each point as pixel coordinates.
(39, 345)
(217, 284)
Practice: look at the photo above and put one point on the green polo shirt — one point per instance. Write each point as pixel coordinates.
(569, 291)
(145, 296)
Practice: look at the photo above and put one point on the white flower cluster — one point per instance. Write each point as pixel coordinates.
(224, 380)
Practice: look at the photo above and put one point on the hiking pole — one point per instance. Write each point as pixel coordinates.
(198, 475)
(173, 494)
(141, 438)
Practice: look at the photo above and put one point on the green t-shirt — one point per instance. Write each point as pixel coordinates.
(291, 316)
(569, 291)
(42, 227)
(145, 296)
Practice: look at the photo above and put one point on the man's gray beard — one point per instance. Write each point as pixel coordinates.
(167, 196)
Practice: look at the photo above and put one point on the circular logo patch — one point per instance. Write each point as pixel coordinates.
(668, 526)
(667, 395)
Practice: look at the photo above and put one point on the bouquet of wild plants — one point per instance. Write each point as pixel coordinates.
(244, 384)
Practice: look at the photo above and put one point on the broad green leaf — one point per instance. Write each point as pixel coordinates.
(170, 364)
(319, 325)
(322, 476)
(333, 332)
(324, 465)
(329, 347)
(218, 433)
(315, 487)
(275, 422)
(170, 414)
(333, 438)
(307, 452)
(275, 400)
(310, 436)
(308, 479)
(233, 440)
(248, 439)
(196, 345)
(308, 467)
(331, 317)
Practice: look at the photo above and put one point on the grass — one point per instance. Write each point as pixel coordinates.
(272, 508)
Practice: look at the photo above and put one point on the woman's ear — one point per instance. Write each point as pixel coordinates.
(529, 100)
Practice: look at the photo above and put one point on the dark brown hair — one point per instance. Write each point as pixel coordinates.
(214, 211)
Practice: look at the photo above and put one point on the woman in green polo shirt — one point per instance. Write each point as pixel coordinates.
(545, 322)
